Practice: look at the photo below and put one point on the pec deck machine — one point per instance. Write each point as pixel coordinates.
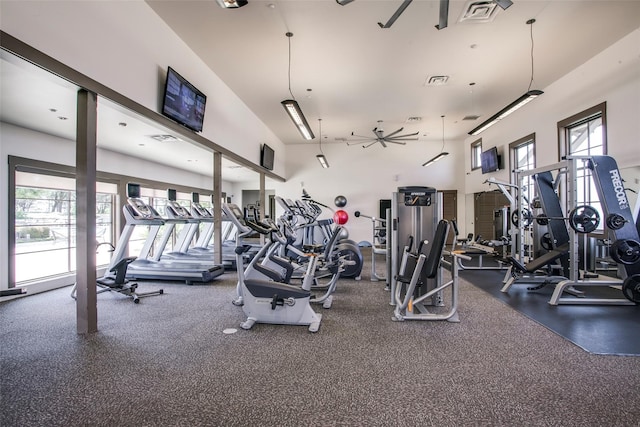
(417, 276)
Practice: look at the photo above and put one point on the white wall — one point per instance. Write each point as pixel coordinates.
(364, 176)
(127, 47)
(612, 76)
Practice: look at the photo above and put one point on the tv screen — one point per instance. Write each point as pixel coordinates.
(182, 102)
(489, 160)
(267, 157)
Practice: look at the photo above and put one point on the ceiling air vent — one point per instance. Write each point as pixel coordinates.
(414, 119)
(479, 11)
(471, 117)
(436, 80)
(164, 138)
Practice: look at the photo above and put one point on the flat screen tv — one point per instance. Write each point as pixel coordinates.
(489, 160)
(182, 102)
(266, 157)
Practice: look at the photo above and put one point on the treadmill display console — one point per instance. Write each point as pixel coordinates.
(140, 207)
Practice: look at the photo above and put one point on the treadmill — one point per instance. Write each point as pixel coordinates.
(137, 213)
(202, 253)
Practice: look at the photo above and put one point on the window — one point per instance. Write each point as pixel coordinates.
(42, 220)
(476, 154)
(522, 157)
(584, 134)
(45, 215)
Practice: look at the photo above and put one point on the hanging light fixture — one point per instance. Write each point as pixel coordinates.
(529, 96)
(321, 158)
(232, 4)
(442, 152)
(292, 107)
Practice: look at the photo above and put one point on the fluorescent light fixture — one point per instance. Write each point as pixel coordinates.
(436, 158)
(232, 4)
(524, 99)
(323, 160)
(293, 109)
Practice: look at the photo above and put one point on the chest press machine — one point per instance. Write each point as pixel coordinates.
(417, 284)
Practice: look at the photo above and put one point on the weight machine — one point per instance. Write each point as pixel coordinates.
(417, 279)
(605, 176)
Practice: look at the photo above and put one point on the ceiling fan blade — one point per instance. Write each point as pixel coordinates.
(367, 146)
(444, 15)
(503, 3)
(360, 136)
(381, 141)
(397, 142)
(394, 132)
(406, 136)
(395, 16)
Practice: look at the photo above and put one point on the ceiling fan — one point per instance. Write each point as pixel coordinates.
(383, 139)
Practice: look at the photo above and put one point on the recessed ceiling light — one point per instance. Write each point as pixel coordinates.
(62, 117)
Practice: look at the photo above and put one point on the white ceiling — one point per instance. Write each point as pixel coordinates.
(33, 98)
(358, 73)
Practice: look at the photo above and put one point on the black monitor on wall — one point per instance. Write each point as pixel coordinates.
(267, 157)
(182, 102)
(490, 161)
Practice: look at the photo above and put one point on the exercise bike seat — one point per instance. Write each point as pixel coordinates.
(267, 289)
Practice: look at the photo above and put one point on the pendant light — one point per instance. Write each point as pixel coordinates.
(321, 158)
(292, 107)
(442, 152)
(529, 96)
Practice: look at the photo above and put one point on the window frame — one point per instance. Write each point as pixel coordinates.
(476, 152)
(564, 128)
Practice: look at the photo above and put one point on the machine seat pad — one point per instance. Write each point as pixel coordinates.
(541, 261)
(267, 289)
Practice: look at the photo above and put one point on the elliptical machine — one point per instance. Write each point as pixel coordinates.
(269, 301)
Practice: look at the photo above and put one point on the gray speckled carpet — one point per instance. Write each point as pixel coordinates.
(167, 362)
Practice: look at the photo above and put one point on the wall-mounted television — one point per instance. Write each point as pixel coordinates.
(490, 160)
(267, 156)
(182, 102)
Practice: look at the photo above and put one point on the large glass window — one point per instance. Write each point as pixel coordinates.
(45, 225)
(584, 134)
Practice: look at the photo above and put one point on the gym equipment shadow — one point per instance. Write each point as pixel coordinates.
(598, 329)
